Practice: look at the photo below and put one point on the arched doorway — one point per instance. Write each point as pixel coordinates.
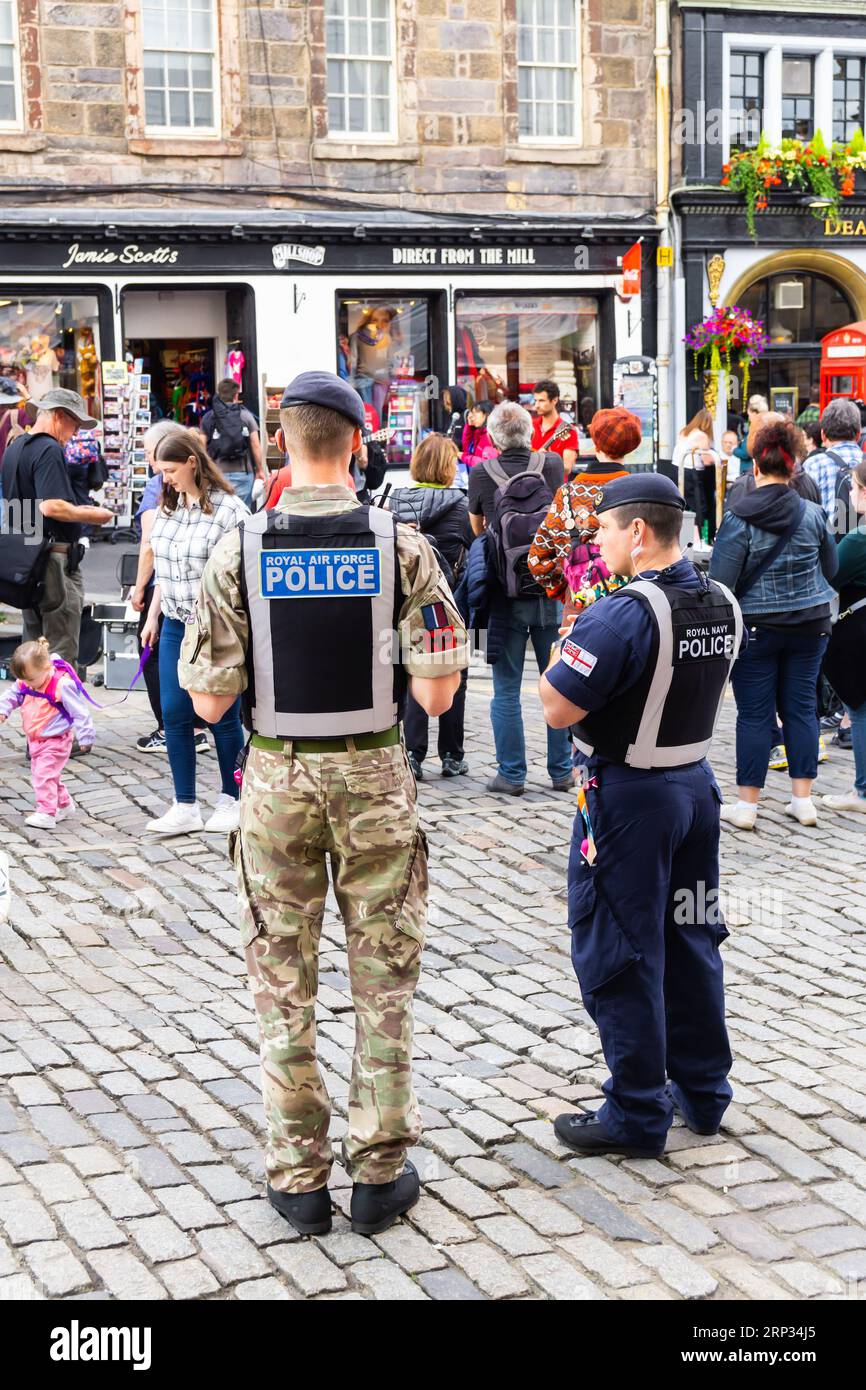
(797, 308)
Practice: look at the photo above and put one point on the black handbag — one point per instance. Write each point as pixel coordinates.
(844, 665)
(23, 560)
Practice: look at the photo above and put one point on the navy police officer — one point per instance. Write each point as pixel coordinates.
(641, 678)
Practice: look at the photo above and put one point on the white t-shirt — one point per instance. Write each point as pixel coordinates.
(687, 451)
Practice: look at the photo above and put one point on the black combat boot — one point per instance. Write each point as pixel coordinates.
(588, 1135)
(308, 1212)
(376, 1205)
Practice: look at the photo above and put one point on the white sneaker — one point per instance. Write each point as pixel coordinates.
(847, 801)
(805, 813)
(64, 812)
(226, 815)
(40, 820)
(182, 818)
(739, 816)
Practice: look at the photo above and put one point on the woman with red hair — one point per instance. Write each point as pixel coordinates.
(777, 552)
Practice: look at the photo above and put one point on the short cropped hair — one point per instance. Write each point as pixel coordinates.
(510, 426)
(665, 522)
(549, 387)
(841, 419)
(316, 431)
(228, 390)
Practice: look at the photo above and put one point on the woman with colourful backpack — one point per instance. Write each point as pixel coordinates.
(564, 559)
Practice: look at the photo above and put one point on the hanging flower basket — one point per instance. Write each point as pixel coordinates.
(729, 337)
(811, 167)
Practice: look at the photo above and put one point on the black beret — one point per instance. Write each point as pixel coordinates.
(326, 389)
(640, 487)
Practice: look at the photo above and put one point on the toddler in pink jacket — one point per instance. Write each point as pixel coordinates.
(53, 709)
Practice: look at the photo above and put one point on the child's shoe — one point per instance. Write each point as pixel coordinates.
(64, 812)
(40, 820)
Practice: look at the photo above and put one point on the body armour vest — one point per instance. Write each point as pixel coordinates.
(323, 597)
(668, 717)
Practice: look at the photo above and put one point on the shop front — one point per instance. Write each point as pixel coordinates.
(402, 309)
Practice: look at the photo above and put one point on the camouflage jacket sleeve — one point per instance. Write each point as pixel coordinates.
(432, 634)
(213, 654)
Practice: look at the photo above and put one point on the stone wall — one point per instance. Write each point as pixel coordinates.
(458, 145)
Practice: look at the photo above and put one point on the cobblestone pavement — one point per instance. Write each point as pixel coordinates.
(130, 1126)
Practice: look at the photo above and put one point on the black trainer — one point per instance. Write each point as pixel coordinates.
(454, 767)
(417, 769)
(308, 1212)
(151, 743)
(376, 1205)
(588, 1135)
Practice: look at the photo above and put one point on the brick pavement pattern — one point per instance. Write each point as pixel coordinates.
(130, 1118)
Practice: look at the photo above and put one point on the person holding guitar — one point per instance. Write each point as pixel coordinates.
(549, 433)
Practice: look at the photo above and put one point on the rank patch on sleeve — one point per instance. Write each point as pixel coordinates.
(578, 658)
(435, 616)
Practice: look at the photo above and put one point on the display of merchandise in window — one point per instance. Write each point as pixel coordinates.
(383, 350)
(126, 420)
(46, 342)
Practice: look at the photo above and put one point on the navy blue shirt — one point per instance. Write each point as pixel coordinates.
(610, 643)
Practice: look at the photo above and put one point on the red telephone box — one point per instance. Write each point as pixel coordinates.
(843, 364)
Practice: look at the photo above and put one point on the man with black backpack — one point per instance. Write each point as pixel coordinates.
(509, 497)
(233, 441)
(830, 466)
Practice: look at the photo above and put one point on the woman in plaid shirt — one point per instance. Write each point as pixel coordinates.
(198, 508)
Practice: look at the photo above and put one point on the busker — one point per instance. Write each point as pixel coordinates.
(641, 679)
(297, 610)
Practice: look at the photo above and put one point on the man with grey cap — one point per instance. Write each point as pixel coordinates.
(35, 479)
(322, 613)
(641, 679)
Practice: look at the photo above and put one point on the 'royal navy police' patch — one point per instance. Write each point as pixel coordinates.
(350, 573)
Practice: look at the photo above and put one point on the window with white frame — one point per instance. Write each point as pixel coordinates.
(359, 43)
(180, 50)
(548, 77)
(10, 95)
(791, 88)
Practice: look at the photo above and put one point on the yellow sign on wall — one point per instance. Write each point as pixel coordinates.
(665, 256)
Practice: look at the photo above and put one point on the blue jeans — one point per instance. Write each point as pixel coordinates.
(537, 620)
(243, 485)
(179, 718)
(858, 744)
(777, 671)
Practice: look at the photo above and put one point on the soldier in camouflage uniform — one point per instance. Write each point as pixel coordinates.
(350, 800)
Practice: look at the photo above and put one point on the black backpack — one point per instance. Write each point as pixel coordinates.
(23, 556)
(229, 440)
(519, 507)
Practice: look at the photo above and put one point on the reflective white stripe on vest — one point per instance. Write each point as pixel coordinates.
(644, 752)
(266, 718)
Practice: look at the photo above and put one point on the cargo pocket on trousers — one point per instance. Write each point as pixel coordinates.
(380, 801)
(600, 949)
(290, 931)
(407, 913)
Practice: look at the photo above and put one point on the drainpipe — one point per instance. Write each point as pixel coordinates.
(665, 278)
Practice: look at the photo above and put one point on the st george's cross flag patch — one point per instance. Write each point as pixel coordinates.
(578, 658)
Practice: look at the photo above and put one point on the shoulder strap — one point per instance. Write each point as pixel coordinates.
(772, 554)
(493, 468)
(536, 463)
(837, 458)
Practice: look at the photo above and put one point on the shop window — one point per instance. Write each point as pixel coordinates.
(548, 80)
(51, 342)
(360, 67)
(849, 76)
(505, 345)
(383, 350)
(180, 90)
(747, 99)
(10, 95)
(798, 101)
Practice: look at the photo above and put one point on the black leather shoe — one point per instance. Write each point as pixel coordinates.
(588, 1135)
(308, 1212)
(376, 1205)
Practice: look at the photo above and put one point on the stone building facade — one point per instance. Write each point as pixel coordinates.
(455, 145)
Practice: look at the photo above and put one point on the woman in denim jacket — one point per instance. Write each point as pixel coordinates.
(787, 611)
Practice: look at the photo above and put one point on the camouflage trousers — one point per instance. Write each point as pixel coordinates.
(356, 809)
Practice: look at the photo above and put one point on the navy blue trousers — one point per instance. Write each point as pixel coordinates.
(645, 933)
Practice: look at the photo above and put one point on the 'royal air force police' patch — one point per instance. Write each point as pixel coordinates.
(350, 573)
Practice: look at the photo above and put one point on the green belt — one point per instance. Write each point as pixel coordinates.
(387, 738)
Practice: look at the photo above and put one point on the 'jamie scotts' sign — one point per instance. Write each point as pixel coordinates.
(131, 254)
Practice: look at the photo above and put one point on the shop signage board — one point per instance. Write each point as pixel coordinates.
(635, 386)
(82, 257)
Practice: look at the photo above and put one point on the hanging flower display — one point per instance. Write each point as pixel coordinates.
(729, 337)
(811, 167)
